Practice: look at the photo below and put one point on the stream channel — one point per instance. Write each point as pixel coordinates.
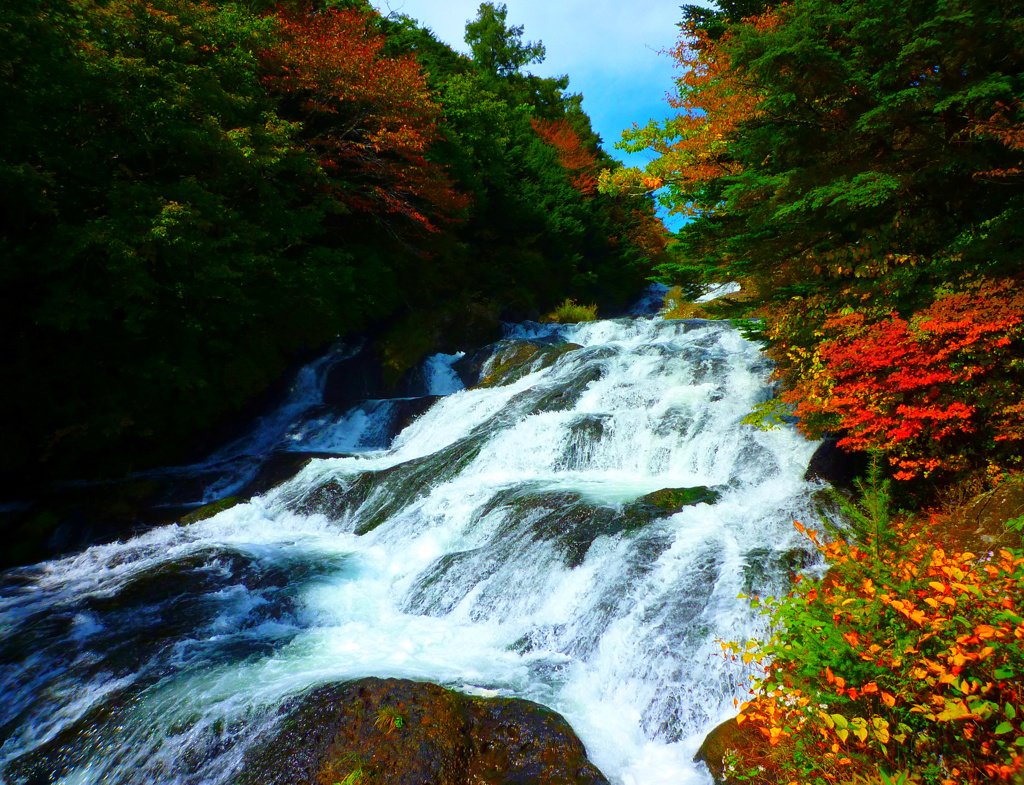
(494, 545)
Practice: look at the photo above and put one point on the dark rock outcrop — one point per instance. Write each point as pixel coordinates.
(983, 523)
(398, 732)
(517, 359)
(209, 510)
(766, 571)
(356, 378)
(279, 467)
(835, 465)
(71, 517)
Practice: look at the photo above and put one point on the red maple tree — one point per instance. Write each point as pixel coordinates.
(911, 387)
(369, 118)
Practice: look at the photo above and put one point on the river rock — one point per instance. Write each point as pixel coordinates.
(835, 465)
(517, 359)
(279, 467)
(399, 732)
(209, 510)
(669, 501)
(730, 737)
(378, 494)
(982, 523)
(766, 571)
(356, 378)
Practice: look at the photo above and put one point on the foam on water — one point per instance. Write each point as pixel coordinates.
(440, 379)
(500, 566)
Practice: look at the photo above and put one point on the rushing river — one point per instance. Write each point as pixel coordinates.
(489, 548)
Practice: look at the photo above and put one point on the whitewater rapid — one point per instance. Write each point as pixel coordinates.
(491, 559)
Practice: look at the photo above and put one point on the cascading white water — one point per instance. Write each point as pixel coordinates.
(490, 549)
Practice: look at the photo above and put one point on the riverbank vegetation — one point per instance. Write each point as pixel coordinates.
(903, 664)
(197, 194)
(863, 173)
(860, 167)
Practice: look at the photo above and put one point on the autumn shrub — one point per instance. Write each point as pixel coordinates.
(904, 659)
(936, 391)
(570, 312)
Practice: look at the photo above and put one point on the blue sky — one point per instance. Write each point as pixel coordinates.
(610, 49)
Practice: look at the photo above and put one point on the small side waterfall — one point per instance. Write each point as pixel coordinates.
(496, 546)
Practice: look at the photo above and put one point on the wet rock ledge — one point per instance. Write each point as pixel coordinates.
(398, 732)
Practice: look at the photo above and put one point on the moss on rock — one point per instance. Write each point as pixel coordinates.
(985, 517)
(396, 732)
(669, 501)
(209, 510)
(726, 740)
(519, 359)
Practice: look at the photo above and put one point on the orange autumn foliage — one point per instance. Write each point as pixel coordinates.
(370, 118)
(573, 155)
(902, 659)
(646, 231)
(1006, 126)
(714, 99)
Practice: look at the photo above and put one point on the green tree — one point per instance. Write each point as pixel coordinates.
(843, 160)
(195, 194)
(531, 237)
(497, 47)
(871, 147)
(172, 242)
(714, 21)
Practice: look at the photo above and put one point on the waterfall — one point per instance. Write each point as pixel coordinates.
(495, 546)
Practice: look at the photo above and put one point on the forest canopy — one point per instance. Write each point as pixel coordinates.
(862, 171)
(197, 194)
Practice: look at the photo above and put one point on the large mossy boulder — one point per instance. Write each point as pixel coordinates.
(981, 524)
(398, 732)
(209, 510)
(517, 359)
(669, 501)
